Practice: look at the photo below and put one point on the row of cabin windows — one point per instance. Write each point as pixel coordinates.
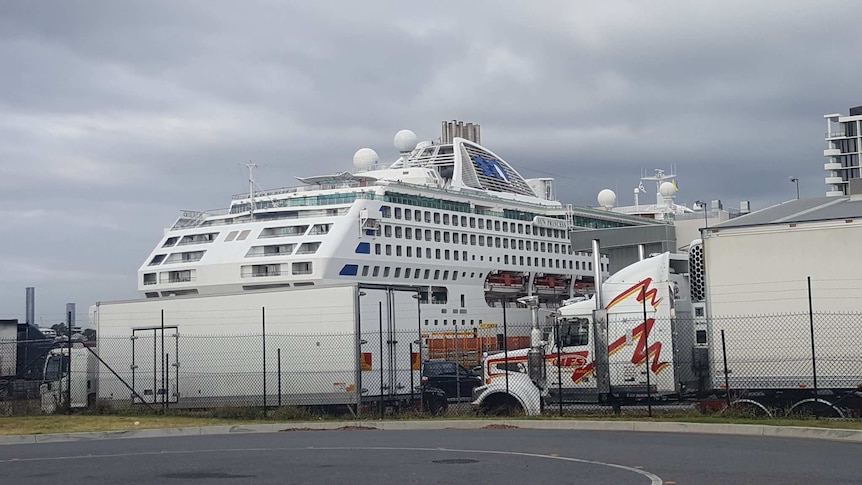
(452, 255)
(241, 235)
(430, 217)
(454, 322)
(417, 273)
(474, 240)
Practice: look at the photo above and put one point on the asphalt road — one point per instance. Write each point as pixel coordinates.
(498, 456)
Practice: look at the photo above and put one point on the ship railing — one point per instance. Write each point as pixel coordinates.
(297, 189)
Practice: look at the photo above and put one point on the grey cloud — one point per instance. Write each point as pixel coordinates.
(126, 112)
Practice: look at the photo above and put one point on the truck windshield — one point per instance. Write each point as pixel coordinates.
(574, 332)
(55, 367)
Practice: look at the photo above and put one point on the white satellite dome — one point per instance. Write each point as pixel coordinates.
(667, 189)
(364, 158)
(405, 141)
(607, 198)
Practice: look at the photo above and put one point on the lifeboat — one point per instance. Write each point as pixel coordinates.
(505, 281)
(552, 284)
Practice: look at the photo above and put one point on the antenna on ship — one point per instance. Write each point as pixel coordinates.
(250, 166)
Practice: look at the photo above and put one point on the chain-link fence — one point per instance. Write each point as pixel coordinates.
(769, 365)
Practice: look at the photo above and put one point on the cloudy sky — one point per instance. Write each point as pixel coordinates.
(117, 114)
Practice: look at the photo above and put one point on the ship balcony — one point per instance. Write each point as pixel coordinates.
(832, 166)
(831, 152)
(835, 134)
(835, 180)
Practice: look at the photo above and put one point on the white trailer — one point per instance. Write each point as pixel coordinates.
(755, 274)
(319, 346)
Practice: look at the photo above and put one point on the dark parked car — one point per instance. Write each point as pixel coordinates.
(452, 378)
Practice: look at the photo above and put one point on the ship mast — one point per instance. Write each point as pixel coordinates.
(250, 165)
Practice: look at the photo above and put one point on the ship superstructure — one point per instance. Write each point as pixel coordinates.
(449, 217)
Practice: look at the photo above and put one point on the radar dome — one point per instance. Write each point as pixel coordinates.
(405, 141)
(607, 198)
(364, 158)
(666, 189)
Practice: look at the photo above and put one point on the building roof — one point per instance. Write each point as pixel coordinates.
(800, 210)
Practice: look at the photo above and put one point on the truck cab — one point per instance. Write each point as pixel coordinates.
(645, 337)
(81, 365)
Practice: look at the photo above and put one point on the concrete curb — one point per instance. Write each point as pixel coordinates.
(845, 435)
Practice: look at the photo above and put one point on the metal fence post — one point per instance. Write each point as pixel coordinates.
(646, 349)
(813, 355)
(278, 353)
(506, 346)
(164, 385)
(380, 317)
(559, 364)
(69, 365)
(726, 379)
(263, 341)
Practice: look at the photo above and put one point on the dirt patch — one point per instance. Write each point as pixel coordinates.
(356, 428)
(500, 426)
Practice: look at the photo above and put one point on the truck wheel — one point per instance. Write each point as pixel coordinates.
(437, 407)
(502, 405)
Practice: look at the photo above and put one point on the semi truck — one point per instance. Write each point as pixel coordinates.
(652, 339)
(37, 366)
(317, 347)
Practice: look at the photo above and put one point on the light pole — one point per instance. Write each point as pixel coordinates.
(795, 180)
(703, 208)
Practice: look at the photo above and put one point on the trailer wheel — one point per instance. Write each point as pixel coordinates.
(815, 407)
(750, 408)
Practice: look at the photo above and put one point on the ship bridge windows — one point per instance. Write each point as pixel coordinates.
(260, 270)
(308, 248)
(320, 229)
(271, 250)
(283, 231)
(184, 276)
(157, 259)
(170, 241)
(198, 238)
(185, 257)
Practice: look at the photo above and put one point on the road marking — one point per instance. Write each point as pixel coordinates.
(654, 479)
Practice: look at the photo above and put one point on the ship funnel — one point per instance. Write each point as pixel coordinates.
(452, 129)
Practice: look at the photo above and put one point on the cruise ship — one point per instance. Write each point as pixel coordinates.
(449, 217)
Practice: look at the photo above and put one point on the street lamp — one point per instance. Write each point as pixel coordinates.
(703, 208)
(795, 180)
